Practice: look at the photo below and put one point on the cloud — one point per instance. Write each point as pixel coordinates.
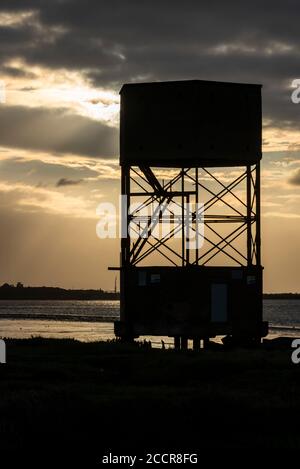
(68, 182)
(115, 42)
(119, 41)
(16, 72)
(30, 185)
(289, 215)
(56, 131)
(34, 171)
(295, 178)
(19, 197)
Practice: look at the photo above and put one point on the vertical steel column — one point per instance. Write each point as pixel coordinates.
(125, 192)
(184, 343)
(258, 240)
(257, 209)
(249, 228)
(196, 210)
(177, 342)
(182, 219)
(125, 239)
(196, 343)
(188, 227)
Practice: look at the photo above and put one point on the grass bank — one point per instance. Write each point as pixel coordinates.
(99, 397)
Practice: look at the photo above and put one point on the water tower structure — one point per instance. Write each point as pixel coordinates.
(190, 156)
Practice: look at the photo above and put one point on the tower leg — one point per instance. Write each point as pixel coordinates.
(206, 343)
(196, 343)
(177, 342)
(184, 343)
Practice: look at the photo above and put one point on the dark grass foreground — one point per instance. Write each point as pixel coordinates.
(96, 398)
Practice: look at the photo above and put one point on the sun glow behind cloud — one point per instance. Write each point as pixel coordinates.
(15, 19)
(73, 92)
(61, 89)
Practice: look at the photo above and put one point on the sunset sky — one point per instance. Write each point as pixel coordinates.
(62, 65)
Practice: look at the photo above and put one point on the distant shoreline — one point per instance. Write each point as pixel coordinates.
(20, 292)
(281, 296)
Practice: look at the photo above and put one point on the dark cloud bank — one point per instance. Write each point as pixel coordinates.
(117, 41)
(55, 131)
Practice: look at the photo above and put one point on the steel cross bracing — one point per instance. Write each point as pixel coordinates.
(165, 205)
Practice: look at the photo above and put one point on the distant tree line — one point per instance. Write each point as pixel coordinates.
(20, 292)
(281, 296)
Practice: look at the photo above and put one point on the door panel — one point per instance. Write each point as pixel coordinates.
(219, 302)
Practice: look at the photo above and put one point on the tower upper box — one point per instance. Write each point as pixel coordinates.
(190, 123)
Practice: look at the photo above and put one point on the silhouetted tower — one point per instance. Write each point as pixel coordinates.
(203, 140)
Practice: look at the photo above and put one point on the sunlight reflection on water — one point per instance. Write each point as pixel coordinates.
(93, 320)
